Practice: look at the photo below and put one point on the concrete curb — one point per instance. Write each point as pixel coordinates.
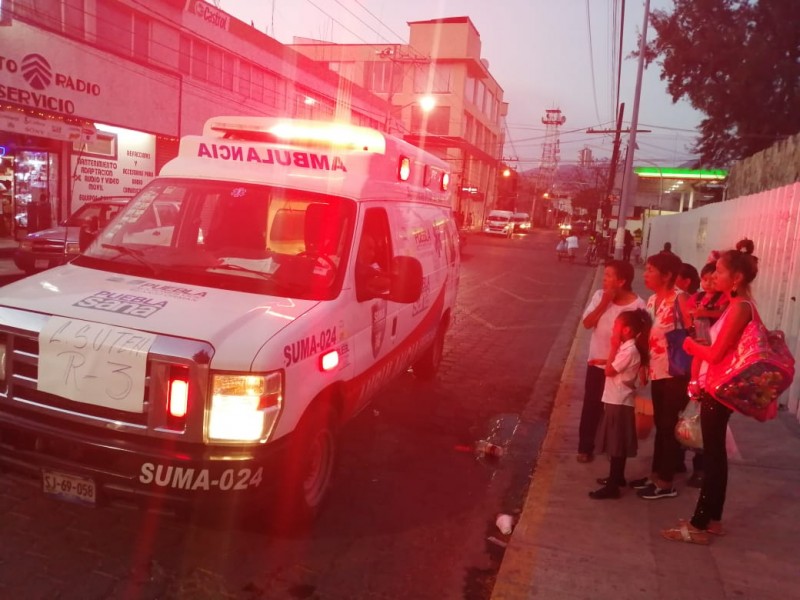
(512, 580)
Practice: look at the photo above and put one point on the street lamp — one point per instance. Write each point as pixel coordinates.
(426, 103)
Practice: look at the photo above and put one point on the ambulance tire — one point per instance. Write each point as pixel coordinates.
(307, 476)
(427, 366)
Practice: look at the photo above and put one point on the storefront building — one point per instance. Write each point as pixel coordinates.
(94, 95)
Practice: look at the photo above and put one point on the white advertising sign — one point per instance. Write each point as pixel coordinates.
(18, 122)
(94, 363)
(120, 163)
(43, 72)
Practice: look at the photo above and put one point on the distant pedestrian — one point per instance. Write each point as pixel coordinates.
(615, 297)
(616, 435)
(668, 390)
(572, 245)
(667, 249)
(736, 270)
(636, 253)
(627, 246)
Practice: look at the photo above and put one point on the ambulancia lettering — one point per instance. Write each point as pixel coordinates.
(304, 160)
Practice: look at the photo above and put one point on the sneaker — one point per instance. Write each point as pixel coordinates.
(604, 493)
(696, 480)
(604, 481)
(653, 492)
(639, 484)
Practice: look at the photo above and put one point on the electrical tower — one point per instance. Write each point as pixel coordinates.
(551, 150)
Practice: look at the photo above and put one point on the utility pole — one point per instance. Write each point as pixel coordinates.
(628, 182)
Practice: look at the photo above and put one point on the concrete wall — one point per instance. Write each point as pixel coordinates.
(777, 166)
(772, 220)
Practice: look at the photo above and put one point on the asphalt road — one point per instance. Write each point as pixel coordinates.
(412, 507)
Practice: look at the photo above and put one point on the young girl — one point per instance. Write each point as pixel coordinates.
(617, 433)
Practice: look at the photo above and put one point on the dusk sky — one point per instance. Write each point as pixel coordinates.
(539, 52)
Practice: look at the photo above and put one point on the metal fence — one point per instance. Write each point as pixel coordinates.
(772, 220)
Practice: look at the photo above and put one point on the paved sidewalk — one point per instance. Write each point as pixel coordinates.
(568, 546)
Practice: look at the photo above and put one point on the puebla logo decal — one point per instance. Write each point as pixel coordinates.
(36, 71)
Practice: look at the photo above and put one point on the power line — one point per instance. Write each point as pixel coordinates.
(591, 60)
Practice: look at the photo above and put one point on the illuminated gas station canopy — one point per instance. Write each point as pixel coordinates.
(679, 173)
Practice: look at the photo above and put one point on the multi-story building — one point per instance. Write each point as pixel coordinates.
(442, 61)
(94, 94)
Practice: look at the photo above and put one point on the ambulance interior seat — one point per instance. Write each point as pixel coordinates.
(321, 228)
(236, 230)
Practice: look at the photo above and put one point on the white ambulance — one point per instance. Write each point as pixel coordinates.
(214, 355)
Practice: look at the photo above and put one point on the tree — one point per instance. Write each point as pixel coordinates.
(738, 62)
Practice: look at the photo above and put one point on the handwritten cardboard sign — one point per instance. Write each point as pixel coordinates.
(94, 363)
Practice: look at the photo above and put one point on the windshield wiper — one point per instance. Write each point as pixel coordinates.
(234, 267)
(137, 254)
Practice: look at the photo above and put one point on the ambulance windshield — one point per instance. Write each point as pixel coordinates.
(230, 235)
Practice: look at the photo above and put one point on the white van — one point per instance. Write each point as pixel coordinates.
(216, 356)
(499, 222)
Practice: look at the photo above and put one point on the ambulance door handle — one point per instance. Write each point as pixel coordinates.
(394, 327)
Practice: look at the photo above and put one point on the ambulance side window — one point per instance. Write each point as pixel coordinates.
(373, 256)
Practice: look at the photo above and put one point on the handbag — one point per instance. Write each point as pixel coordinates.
(754, 373)
(680, 363)
(687, 429)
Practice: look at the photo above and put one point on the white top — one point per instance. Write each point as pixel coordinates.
(572, 241)
(621, 388)
(600, 342)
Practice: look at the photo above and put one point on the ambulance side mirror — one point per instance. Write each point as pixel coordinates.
(406, 280)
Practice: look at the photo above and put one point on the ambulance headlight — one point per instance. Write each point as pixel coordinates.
(244, 408)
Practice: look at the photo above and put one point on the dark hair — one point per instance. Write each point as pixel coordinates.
(708, 268)
(666, 264)
(741, 260)
(640, 322)
(623, 270)
(667, 247)
(687, 271)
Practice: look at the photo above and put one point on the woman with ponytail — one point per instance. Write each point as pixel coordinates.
(736, 270)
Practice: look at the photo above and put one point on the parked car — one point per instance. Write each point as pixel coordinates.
(52, 247)
(522, 222)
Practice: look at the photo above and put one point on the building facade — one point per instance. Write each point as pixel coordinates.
(94, 94)
(442, 60)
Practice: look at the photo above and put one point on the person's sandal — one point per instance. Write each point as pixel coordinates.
(715, 528)
(583, 457)
(684, 532)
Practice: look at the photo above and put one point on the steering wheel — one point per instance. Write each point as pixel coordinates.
(321, 260)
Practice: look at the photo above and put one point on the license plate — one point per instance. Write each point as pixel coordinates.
(71, 488)
(41, 263)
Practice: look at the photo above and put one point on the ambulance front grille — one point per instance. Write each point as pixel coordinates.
(22, 367)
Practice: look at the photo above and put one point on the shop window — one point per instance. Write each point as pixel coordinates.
(257, 89)
(436, 121)
(141, 36)
(44, 12)
(433, 79)
(272, 92)
(114, 28)
(74, 13)
(185, 55)
(215, 66)
(469, 89)
(199, 60)
(380, 76)
(244, 78)
(227, 71)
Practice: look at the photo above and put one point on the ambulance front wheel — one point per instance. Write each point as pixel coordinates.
(428, 365)
(308, 471)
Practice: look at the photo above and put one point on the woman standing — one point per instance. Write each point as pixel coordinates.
(736, 270)
(615, 297)
(668, 391)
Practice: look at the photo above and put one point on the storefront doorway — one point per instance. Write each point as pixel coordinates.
(29, 188)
